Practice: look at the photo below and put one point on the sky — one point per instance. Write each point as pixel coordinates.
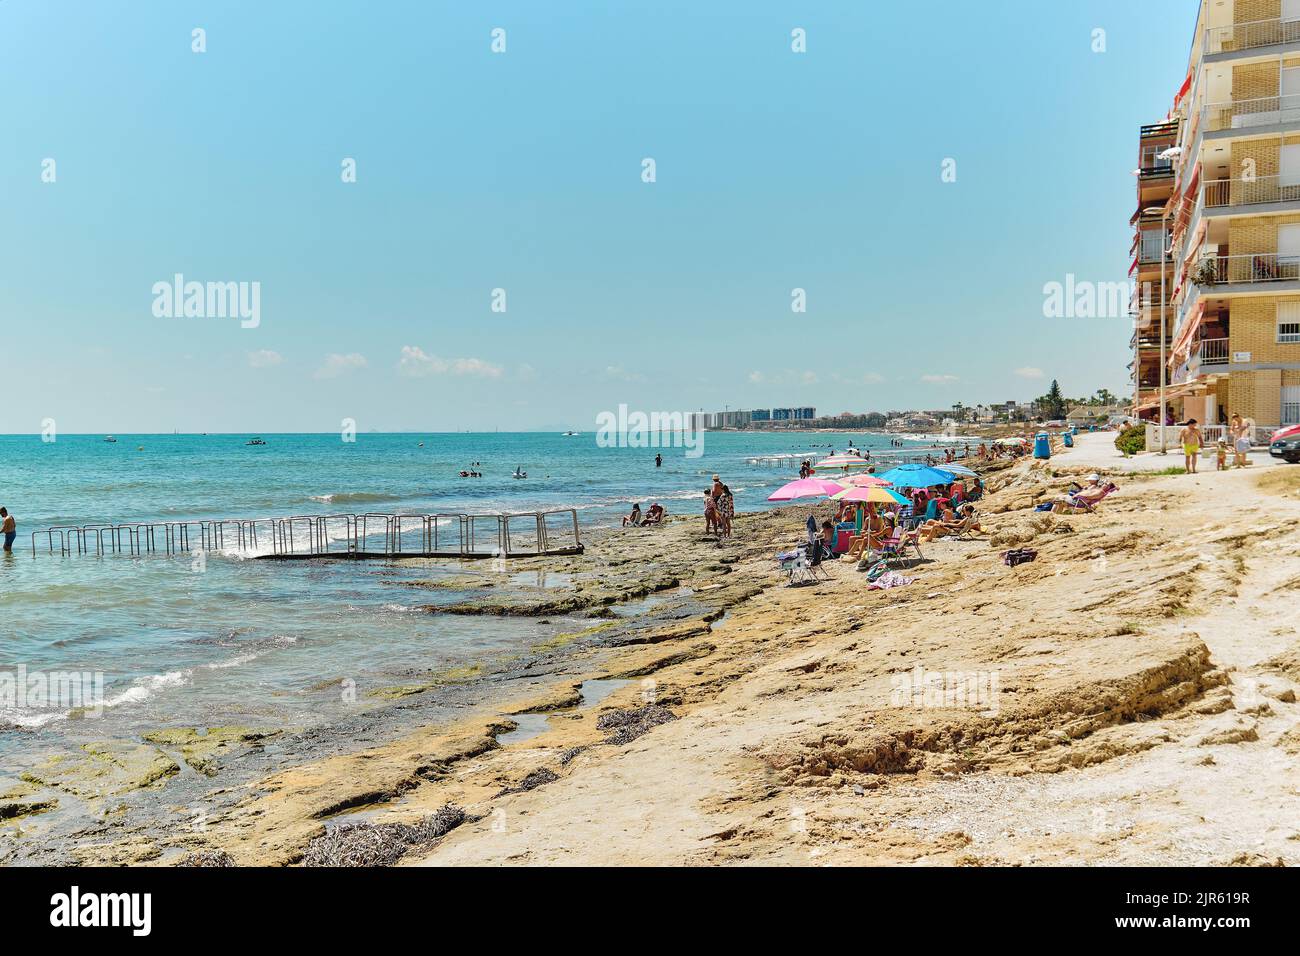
(524, 171)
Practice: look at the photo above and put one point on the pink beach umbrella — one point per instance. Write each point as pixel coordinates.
(842, 461)
(806, 488)
(865, 481)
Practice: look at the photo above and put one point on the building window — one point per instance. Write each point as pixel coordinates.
(1288, 322)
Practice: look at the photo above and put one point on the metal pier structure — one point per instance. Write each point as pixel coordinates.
(298, 537)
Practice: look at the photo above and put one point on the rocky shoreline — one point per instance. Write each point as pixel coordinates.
(710, 713)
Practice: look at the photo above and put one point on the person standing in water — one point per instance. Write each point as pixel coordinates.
(659, 461)
(9, 528)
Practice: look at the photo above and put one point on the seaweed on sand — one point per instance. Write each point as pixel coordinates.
(379, 844)
(627, 725)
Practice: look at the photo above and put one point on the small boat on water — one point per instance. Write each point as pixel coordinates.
(255, 441)
(110, 438)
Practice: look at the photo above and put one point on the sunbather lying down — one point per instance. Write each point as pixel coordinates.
(952, 523)
(1084, 500)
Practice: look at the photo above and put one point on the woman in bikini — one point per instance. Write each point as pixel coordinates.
(1190, 437)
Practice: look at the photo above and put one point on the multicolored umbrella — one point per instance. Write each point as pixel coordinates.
(881, 496)
(806, 488)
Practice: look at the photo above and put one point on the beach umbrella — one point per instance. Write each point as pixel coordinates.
(881, 496)
(917, 476)
(806, 488)
(957, 469)
(842, 461)
(861, 480)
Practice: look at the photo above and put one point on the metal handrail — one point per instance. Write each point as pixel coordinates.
(309, 535)
(1243, 191)
(1250, 34)
(1262, 111)
(1246, 267)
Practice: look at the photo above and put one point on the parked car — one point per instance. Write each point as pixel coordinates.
(1285, 444)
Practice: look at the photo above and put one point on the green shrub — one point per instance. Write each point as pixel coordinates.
(1132, 439)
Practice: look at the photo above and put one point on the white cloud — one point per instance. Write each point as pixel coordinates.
(336, 364)
(789, 376)
(1029, 371)
(264, 358)
(865, 378)
(938, 379)
(417, 363)
(619, 374)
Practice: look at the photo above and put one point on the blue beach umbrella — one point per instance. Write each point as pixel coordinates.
(959, 470)
(917, 476)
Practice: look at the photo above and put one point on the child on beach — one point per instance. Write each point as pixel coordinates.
(1222, 457)
(710, 513)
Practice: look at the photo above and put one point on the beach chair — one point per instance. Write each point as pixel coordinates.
(1078, 504)
(966, 528)
(895, 547)
(803, 567)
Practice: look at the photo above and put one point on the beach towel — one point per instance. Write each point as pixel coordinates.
(890, 579)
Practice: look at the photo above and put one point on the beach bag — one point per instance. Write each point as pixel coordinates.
(1018, 556)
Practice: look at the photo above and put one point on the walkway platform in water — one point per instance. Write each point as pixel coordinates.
(341, 536)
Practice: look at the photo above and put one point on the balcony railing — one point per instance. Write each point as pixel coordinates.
(1247, 36)
(1260, 111)
(1211, 352)
(1251, 267)
(1150, 247)
(1247, 192)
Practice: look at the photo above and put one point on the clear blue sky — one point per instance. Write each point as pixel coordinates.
(522, 171)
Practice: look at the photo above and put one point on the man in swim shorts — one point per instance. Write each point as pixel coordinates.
(9, 527)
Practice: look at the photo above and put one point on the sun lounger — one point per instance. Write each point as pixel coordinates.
(1081, 502)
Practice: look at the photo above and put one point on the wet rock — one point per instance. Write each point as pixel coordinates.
(104, 768)
(14, 809)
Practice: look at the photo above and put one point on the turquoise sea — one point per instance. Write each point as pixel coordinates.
(249, 642)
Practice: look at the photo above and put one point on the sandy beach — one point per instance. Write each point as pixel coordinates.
(1127, 698)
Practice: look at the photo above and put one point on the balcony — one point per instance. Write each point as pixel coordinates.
(1248, 36)
(1251, 267)
(1245, 114)
(1157, 169)
(1150, 247)
(1169, 129)
(1217, 193)
(1211, 355)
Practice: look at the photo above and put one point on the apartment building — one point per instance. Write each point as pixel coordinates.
(1234, 220)
(1151, 267)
